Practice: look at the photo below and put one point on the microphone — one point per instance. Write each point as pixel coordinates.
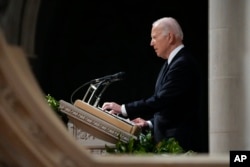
(111, 78)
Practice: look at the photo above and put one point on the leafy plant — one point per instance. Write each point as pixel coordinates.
(145, 144)
(54, 104)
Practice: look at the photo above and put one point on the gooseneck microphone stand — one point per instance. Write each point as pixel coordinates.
(95, 91)
(97, 88)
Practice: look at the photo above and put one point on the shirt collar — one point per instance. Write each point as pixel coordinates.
(174, 52)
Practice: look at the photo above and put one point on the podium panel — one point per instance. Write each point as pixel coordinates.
(99, 123)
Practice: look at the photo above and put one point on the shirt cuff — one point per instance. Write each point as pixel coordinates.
(150, 124)
(123, 110)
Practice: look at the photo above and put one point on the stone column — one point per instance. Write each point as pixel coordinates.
(225, 89)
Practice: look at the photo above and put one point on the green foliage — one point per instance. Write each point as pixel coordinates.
(171, 146)
(54, 104)
(145, 144)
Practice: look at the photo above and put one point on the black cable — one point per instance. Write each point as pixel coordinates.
(77, 89)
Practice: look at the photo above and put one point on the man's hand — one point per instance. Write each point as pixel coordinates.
(112, 107)
(140, 122)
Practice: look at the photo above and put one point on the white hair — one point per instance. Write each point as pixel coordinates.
(169, 24)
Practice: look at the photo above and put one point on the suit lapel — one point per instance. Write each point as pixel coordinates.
(165, 68)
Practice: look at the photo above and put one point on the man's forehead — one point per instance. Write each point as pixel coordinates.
(156, 30)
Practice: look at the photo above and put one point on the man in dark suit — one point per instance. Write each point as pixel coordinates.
(174, 106)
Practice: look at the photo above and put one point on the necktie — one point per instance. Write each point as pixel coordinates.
(161, 74)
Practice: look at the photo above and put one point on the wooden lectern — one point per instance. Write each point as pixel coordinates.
(99, 123)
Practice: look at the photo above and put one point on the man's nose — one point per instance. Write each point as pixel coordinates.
(151, 43)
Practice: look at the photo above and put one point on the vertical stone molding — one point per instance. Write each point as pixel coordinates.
(19, 23)
(225, 89)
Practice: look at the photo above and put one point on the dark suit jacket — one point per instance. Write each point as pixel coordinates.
(175, 103)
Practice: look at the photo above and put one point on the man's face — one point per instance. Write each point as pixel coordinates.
(160, 42)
